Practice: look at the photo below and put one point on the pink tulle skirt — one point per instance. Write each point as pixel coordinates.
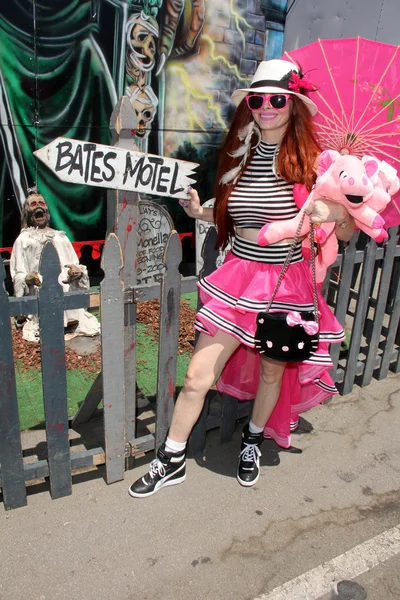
(232, 296)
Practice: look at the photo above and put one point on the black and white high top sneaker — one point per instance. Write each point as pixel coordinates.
(249, 458)
(167, 469)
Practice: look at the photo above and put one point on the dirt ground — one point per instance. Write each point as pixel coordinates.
(28, 353)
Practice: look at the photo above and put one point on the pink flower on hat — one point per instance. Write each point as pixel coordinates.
(299, 83)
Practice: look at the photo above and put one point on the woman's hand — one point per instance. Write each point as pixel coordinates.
(194, 209)
(326, 211)
(192, 206)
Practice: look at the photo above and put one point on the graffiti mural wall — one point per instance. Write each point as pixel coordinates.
(64, 64)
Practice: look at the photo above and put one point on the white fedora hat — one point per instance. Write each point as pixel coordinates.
(276, 77)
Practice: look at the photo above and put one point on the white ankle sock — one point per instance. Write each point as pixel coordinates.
(254, 429)
(174, 447)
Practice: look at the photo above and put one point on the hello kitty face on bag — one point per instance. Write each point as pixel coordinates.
(278, 340)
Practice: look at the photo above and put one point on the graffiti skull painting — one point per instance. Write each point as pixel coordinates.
(142, 34)
(145, 103)
(176, 61)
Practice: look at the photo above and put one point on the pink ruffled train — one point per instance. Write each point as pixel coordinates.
(232, 296)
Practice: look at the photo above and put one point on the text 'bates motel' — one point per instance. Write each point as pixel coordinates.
(98, 165)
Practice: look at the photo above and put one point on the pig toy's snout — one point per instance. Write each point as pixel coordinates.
(364, 181)
(357, 189)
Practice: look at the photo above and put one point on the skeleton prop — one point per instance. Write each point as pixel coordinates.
(24, 266)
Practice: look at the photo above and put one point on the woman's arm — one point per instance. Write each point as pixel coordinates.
(193, 208)
(344, 229)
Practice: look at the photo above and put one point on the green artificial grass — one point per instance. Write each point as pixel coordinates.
(30, 394)
(191, 299)
(147, 356)
(29, 384)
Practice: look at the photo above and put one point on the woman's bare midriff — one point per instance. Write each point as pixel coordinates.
(251, 235)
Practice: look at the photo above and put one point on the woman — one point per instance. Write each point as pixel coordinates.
(270, 146)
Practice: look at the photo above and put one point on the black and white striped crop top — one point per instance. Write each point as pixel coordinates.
(260, 196)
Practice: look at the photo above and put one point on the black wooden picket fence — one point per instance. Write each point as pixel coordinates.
(363, 290)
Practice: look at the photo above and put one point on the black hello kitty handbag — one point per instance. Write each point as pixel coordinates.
(289, 336)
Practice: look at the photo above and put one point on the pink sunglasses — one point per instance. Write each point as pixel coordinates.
(277, 101)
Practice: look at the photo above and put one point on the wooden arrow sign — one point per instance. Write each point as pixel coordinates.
(86, 163)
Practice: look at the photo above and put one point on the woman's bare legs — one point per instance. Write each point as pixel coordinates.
(208, 360)
(269, 387)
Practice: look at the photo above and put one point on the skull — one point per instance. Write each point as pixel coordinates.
(142, 32)
(35, 212)
(145, 102)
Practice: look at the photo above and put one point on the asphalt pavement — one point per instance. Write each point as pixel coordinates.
(320, 524)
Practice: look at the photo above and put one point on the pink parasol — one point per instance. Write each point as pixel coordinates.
(358, 97)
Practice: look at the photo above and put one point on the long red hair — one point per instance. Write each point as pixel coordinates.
(297, 157)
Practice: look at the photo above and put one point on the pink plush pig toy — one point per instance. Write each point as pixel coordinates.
(357, 184)
(347, 180)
